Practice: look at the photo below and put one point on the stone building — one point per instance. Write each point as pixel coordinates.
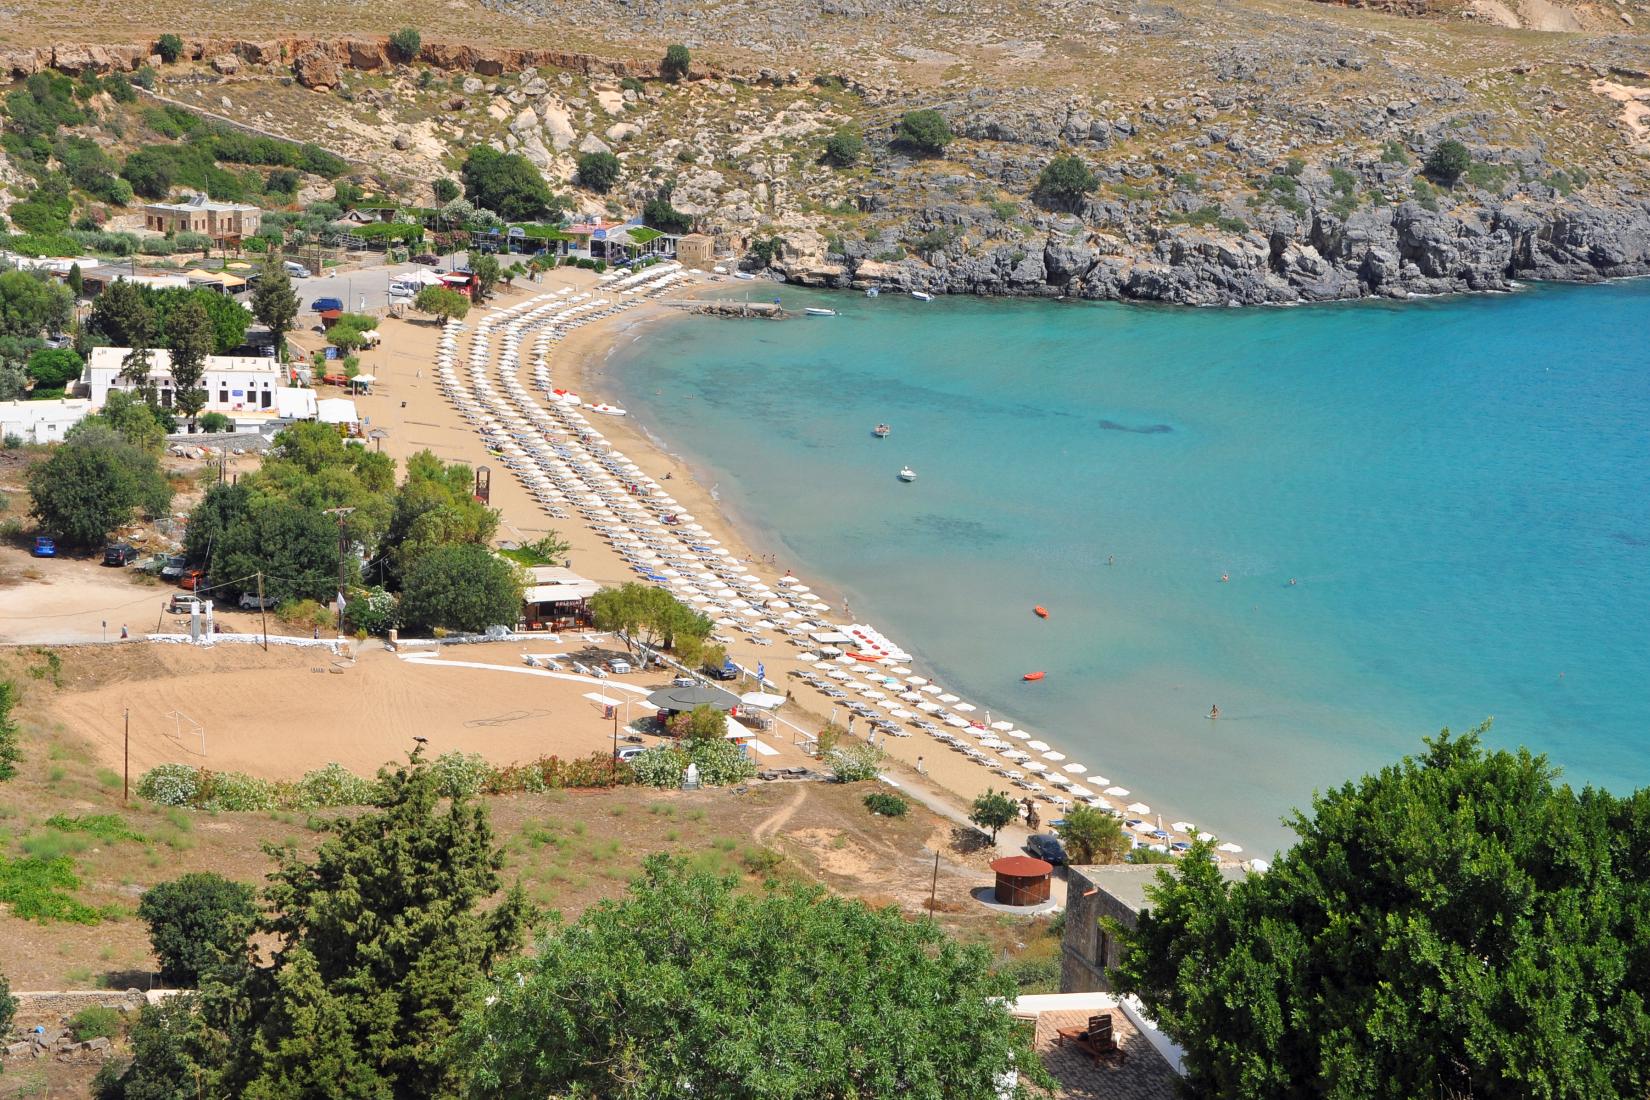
(696, 250)
(1116, 891)
(225, 222)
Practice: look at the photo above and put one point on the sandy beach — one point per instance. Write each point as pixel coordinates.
(409, 408)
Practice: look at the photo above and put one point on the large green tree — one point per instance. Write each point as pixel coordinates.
(275, 303)
(191, 339)
(507, 184)
(93, 483)
(992, 810)
(31, 305)
(295, 547)
(647, 617)
(691, 987)
(924, 131)
(435, 506)
(1091, 836)
(54, 368)
(487, 273)
(599, 170)
(1458, 924)
(196, 923)
(1065, 180)
(445, 304)
(461, 586)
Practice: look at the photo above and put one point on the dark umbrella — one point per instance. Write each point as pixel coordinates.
(688, 697)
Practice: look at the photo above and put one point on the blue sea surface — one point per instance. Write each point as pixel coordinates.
(1459, 490)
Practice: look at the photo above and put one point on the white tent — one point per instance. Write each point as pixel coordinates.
(766, 700)
(336, 410)
(295, 403)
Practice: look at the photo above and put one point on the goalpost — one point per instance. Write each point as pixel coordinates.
(185, 728)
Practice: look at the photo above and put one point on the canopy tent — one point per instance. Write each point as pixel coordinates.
(764, 699)
(687, 697)
(336, 410)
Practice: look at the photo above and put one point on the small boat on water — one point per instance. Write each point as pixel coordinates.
(1032, 676)
(743, 275)
(881, 431)
(819, 311)
(872, 292)
(922, 296)
(907, 474)
(1042, 612)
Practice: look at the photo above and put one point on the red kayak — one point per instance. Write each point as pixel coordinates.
(1032, 676)
(1042, 612)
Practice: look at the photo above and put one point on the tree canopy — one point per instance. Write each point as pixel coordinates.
(647, 616)
(191, 340)
(31, 305)
(676, 63)
(275, 303)
(844, 147)
(924, 131)
(93, 483)
(197, 923)
(1092, 836)
(436, 506)
(507, 184)
(1457, 924)
(405, 43)
(54, 368)
(445, 304)
(293, 545)
(1447, 161)
(599, 171)
(832, 999)
(1065, 180)
(373, 948)
(461, 586)
(992, 810)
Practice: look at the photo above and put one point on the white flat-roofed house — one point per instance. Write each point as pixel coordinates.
(233, 383)
(42, 421)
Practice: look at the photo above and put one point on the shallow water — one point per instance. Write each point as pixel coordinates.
(1460, 490)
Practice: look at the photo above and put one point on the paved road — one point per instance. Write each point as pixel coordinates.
(365, 291)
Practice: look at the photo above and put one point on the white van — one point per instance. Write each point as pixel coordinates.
(296, 270)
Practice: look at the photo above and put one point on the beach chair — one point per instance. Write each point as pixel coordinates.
(1096, 1039)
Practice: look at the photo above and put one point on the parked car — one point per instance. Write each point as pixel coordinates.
(180, 604)
(45, 547)
(249, 602)
(296, 270)
(118, 553)
(59, 340)
(683, 682)
(427, 259)
(322, 305)
(629, 753)
(721, 672)
(191, 579)
(174, 566)
(1047, 847)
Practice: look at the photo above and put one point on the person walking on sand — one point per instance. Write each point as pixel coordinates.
(920, 770)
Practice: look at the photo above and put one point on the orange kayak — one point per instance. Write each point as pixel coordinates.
(1032, 676)
(1042, 612)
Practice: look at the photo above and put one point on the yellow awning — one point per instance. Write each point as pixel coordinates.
(216, 277)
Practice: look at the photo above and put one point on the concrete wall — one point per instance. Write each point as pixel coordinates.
(1087, 949)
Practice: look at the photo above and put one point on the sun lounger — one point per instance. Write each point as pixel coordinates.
(1097, 1039)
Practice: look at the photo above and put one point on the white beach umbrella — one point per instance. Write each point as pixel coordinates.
(1080, 791)
(1054, 756)
(1228, 847)
(1207, 837)
(917, 680)
(1040, 746)
(823, 665)
(1002, 725)
(931, 689)
(1142, 826)
(1016, 754)
(965, 707)
(910, 696)
(806, 656)
(1139, 808)
(1021, 735)
(930, 708)
(1098, 780)
(953, 720)
(1076, 769)
(948, 698)
(1034, 766)
(1183, 827)
(1061, 781)
(1258, 866)
(1117, 792)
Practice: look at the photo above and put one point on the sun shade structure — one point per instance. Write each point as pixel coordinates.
(686, 698)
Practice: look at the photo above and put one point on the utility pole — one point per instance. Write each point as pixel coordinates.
(263, 615)
(934, 888)
(343, 547)
(126, 767)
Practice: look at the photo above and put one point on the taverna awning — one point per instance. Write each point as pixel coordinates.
(697, 695)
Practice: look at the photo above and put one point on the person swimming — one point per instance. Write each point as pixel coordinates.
(1224, 577)
(1291, 582)
(1214, 712)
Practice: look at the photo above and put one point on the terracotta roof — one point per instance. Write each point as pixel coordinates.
(1021, 867)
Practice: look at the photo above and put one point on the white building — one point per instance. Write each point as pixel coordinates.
(42, 421)
(233, 383)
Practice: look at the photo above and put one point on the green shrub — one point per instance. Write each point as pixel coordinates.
(886, 804)
(1447, 161)
(96, 1022)
(39, 889)
(215, 422)
(332, 785)
(924, 131)
(170, 48)
(853, 763)
(460, 775)
(196, 922)
(405, 43)
(1393, 152)
(631, 84)
(844, 147)
(105, 827)
(676, 64)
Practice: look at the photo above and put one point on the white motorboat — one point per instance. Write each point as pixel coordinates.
(819, 311)
(743, 275)
(907, 474)
(922, 296)
(872, 292)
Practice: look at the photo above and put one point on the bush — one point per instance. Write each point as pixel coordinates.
(306, 614)
(844, 147)
(1065, 180)
(170, 48)
(215, 422)
(720, 762)
(599, 171)
(460, 775)
(853, 763)
(461, 587)
(54, 368)
(676, 63)
(631, 84)
(333, 786)
(374, 610)
(924, 131)
(1448, 159)
(885, 804)
(404, 44)
(446, 190)
(96, 1022)
(144, 78)
(196, 923)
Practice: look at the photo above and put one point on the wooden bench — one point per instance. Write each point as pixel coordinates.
(1098, 1040)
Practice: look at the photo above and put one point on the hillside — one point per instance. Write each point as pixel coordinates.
(1253, 152)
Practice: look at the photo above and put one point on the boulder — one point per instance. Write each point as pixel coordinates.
(558, 123)
(367, 53)
(316, 69)
(260, 53)
(226, 64)
(593, 144)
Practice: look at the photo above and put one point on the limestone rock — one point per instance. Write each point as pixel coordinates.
(316, 69)
(226, 64)
(593, 144)
(558, 123)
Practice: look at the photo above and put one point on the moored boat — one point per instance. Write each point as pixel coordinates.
(922, 296)
(907, 474)
(1032, 676)
(881, 431)
(743, 275)
(872, 292)
(819, 311)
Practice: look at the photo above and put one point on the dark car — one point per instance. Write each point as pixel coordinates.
(118, 553)
(322, 305)
(173, 567)
(721, 672)
(44, 547)
(426, 259)
(1047, 847)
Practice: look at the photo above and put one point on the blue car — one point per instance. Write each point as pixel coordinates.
(1046, 847)
(321, 305)
(45, 547)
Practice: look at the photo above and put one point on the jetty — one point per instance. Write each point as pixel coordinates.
(726, 308)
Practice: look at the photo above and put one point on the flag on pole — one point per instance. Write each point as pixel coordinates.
(761, 672)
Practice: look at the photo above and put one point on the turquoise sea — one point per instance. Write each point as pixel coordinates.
(1459, 488)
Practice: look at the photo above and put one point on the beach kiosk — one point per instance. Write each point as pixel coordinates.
(1022, 880)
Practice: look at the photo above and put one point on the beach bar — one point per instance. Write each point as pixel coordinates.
(1022, 880)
